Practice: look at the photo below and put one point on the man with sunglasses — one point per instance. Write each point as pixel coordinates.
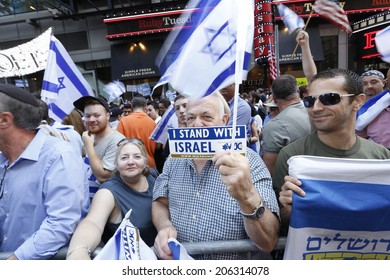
(334, 97)
(291, 124)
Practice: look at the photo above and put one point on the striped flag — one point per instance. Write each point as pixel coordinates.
(332, 11)
(371, 109)
(273, 68)
(178, 250)
(382, 39)
(200, 54)
(168, 120)
(126, 244)
(290, 19)
(345, 213)
(63, 82)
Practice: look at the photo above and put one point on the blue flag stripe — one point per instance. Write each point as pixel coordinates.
(57, 110)
(346, 206)
(188, 28)
(46, 85)
(370, 103)
(62, 63)
(164, 123)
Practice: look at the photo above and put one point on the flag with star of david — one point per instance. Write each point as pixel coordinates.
(200, 54)
(63, 82)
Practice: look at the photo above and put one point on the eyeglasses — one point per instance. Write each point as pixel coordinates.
(326, 99)
(2, 181)
(130, 140)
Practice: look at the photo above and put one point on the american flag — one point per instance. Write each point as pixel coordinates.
(332, 11)
(273, 68)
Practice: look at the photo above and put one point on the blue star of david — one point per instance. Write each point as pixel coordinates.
(61, 83)
(220, 42)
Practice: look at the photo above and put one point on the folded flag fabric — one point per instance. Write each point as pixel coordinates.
(126, 244)
(345, 213)
(114, 90)
(168, 120)
(178, 250)
(290, 19)
(371, 109)
(382, 39)
(199, 56)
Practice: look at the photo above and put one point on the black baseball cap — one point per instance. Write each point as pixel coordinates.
(19, 94)
(80, 103)
(114, 113)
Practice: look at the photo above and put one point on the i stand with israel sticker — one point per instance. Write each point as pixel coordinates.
(204, 142)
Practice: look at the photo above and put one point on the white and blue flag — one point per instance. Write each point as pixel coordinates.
(200, 54)
(63, 82)
(168, 120)
(371, 109)
(178, 250)
(126, 244)
(114, 89)
(290, 19)
(382, 39)
(345, 213)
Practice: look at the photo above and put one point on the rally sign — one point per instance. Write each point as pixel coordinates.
(204, 142)
(26, 58)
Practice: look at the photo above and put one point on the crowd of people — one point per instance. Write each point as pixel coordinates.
(71, 184)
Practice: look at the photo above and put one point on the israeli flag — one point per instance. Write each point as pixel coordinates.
(371, 109)
(62, 82)
(178, 250)
(114, 89)
(200, 54)
(290, 19)
(345, 213)
(126, 244)
(168, 120)
(382, 39)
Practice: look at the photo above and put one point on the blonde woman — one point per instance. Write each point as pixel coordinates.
(130, 188)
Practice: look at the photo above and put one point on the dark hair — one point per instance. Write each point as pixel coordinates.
(179, 96)
(284, 86)
(253, 110)
(154, 104)
(26, 116)
(138, 102)
(352, 81)
(255, 96)
(166, 102)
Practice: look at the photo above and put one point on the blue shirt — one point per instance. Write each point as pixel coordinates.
(44, 197)
(200, 207)
(243, 112)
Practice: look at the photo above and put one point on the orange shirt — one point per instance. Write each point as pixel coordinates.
(140, 125)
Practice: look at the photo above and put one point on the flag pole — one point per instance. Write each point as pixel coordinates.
(304, 28)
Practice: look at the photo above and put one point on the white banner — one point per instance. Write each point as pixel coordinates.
(26, 58)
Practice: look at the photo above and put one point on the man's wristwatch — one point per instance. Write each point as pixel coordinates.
(257, 214)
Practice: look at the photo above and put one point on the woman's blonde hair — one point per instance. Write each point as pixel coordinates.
(138, 143)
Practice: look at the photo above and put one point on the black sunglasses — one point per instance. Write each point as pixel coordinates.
(326, 99)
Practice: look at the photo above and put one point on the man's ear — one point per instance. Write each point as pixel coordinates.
(225, 119)
(359, 101)
(6, 119)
